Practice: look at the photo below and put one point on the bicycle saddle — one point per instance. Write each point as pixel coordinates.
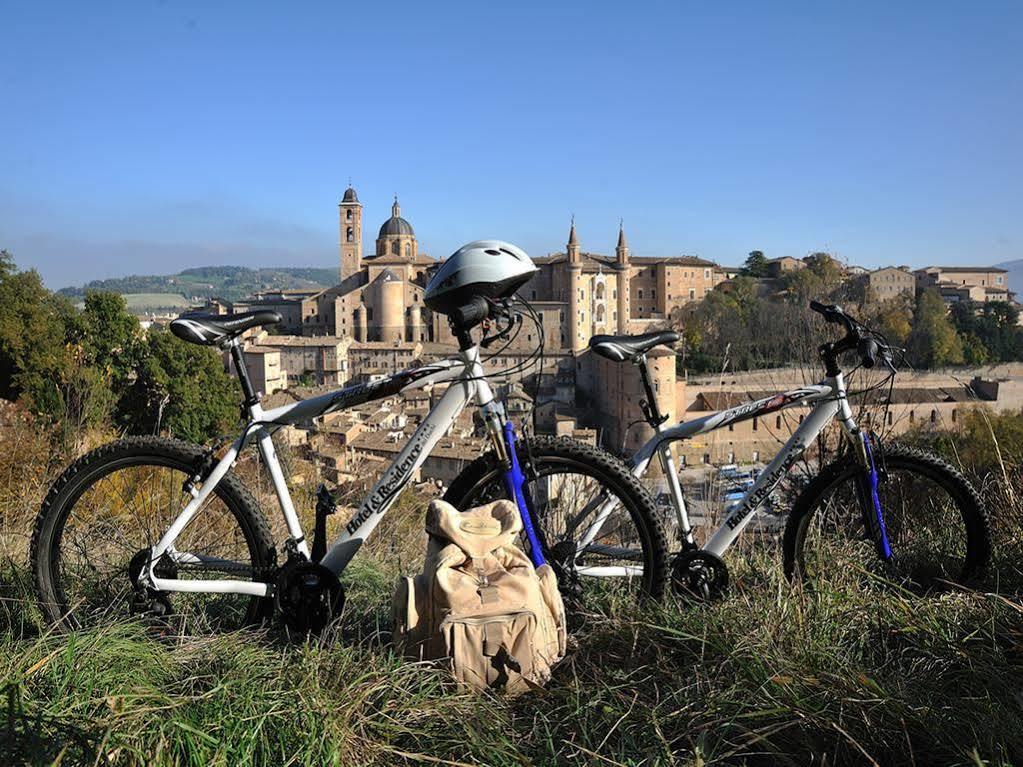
(214, 329)
(621, 348)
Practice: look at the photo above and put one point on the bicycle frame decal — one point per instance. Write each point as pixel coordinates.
(383, 493)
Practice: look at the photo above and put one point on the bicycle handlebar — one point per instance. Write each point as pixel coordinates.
(857, 337)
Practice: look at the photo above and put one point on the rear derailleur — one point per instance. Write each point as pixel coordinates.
(145, 600)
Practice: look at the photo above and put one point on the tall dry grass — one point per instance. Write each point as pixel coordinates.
(850, 671)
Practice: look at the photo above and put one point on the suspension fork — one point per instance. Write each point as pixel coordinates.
(867, 477)
(866, 492)
(515, 482)
(502, 435)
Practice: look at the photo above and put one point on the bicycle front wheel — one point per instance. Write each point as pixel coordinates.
(934, 519)
(107, 509)
(597, 522)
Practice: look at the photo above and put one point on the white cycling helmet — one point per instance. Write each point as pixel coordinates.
(488, 268)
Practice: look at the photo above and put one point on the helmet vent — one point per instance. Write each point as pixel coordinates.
(492, 252)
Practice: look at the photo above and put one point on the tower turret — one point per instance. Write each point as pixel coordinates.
(575, 271)
(622, 268)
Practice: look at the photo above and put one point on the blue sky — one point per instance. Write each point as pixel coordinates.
(146, 137)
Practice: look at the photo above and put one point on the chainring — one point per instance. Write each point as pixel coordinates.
(308, 596)
(699, 575)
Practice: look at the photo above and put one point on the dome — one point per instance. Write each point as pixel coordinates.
(396, 225)
(350, 195)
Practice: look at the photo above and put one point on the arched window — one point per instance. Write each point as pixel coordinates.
(396, 248)
(349, 234)
(348, 214)
(408, 250)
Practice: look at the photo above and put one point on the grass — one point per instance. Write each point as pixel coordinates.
(848, 671)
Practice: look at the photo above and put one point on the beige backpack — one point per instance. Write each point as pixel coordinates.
(480, 602)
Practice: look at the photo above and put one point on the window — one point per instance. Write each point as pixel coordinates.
(934, 416)
(640, 295)
(706, 457)
(349, 235)
(408, 249)
(755, 423)
(692, 293)
(756, 456)
(396, 248)
(731, 427)
(348, 214)
(706, 274)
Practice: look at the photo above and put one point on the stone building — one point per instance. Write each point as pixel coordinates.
(890, 282)
(969, 276)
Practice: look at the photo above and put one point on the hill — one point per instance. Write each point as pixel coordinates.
(1015, 269)
(229, 282)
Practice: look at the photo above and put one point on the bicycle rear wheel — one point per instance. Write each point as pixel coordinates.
(935, 521)
(597, 522)
(108, 508)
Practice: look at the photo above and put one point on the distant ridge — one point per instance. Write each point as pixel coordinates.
(228, 282)
(1015, 269)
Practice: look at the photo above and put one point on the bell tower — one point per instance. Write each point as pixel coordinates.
(350, 212)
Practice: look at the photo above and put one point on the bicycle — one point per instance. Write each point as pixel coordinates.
(891, 504)
(120, 531)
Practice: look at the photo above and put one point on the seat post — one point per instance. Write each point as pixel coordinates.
(243, 374)
(651, 411)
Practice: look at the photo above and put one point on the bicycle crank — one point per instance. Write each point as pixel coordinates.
(699, 575)
(308, 596)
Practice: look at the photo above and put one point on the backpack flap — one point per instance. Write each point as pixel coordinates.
(477, 531)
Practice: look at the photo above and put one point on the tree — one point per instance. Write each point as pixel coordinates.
(181, 389)
(933, 341)
(821, 277)
(111, 336)
(756, 264)
(33, 355)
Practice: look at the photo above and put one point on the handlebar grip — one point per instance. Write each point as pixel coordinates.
(831, 312)
(471, 314)
(868, 349)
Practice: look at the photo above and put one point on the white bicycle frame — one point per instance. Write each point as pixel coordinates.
(467, 382)
(830, 402)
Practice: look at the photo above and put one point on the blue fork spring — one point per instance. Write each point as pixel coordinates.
(881, 533)
(514, 480)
